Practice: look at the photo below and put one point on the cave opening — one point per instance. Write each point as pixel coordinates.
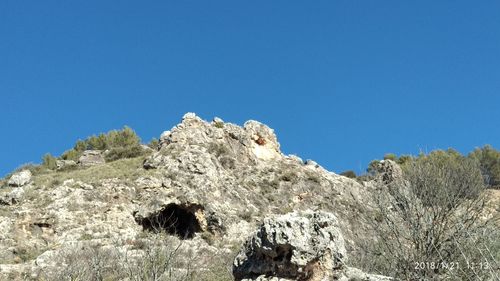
(179, 220)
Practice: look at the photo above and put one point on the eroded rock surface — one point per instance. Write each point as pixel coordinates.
(297, 246)
(220, 179)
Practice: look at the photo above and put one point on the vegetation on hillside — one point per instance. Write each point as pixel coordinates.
(164, 258)
(432, 224)
(487, 157)
(115, 145)
(121, 144)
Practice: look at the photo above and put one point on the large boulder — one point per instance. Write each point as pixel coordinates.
(264, 143)
(297, 246)
(12, 197)
(20, 178)
(91, 158)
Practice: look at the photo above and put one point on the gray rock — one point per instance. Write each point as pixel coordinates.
(388, 171)
(91, 158)
(63, 164)
(12, 197)
(46, 259)
(20, 178)
(217, 120)
(165, 138)
(146, 148)
(189, 115)
(295, 246)
(298, 246)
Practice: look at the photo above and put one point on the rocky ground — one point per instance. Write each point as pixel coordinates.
(207, 190)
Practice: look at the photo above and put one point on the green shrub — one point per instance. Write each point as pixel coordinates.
(219, 125)
(122, 138)
(100, 142)
(404, 159)
(71, 154)
(350, 174)
(49, 161)
(391, 156)
(153, 144)
(130, 151)
(489, 162)
(122, 143)
(372, 167)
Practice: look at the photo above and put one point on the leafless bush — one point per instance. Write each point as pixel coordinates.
(151, 257)
(431, 225)
(83, 262)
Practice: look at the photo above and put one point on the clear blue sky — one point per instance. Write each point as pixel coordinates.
(341, 82)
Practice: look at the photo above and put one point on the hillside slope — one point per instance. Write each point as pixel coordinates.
(207, 187)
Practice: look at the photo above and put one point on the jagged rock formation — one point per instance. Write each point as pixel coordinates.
(293, 246)
(297, 246)
(208, 185)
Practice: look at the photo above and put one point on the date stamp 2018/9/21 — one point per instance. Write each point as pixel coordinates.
(451, 266)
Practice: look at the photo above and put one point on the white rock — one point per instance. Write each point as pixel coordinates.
(296, 246)
(218, 120)
(20, 178)
(189, 115)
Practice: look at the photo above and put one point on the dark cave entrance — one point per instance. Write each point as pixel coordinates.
(180, 220)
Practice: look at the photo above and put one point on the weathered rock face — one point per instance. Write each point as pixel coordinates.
(254, 142)
(19, 179)
(209, 184)
(388, 171)
(91, 157)
(295, 246)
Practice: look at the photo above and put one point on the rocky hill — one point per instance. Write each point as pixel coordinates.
(214, 201)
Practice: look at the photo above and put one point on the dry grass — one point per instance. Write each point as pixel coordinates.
(123, 169)
(153, 257)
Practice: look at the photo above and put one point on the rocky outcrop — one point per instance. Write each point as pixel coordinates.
(297, 246)
(208, 184)
(388, 171)
(254, 142)
(20, 178)
(91, 157)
